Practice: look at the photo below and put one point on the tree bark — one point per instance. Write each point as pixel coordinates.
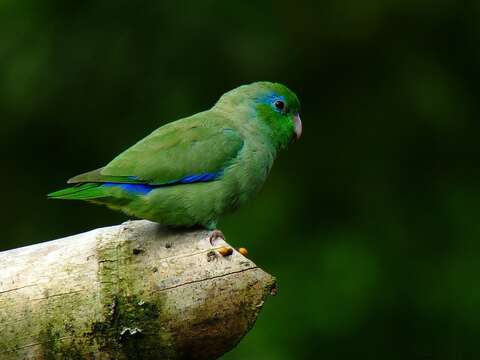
(132, 291)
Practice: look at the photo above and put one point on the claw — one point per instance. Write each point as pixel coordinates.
(214, 235)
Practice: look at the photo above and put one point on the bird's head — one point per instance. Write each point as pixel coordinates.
(274, 106)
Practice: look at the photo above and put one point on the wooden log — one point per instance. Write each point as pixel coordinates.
(132, 291)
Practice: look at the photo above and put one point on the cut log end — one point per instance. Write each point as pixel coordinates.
(133, 291)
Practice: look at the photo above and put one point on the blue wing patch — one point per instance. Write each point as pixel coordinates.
(133, 188)
(198, 178)
(144, 189)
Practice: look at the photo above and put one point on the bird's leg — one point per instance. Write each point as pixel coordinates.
(214, 235)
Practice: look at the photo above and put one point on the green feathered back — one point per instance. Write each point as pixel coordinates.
(172, 152)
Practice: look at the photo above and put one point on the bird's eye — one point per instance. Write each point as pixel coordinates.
(279, 105)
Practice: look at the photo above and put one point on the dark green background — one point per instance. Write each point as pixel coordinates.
(370, 222)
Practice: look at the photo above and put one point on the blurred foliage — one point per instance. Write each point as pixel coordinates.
(370, 222)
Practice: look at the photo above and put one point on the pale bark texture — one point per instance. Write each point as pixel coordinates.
(133, 291)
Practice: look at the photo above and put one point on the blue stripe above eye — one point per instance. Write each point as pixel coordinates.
(144, 189)
(271, 98)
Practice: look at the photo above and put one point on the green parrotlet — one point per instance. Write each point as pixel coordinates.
(191, 171)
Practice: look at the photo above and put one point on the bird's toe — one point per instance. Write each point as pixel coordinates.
(214, 236)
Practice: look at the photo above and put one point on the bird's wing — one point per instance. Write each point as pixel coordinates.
(185, 151)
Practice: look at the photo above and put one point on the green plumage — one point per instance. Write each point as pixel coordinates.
(193, 170)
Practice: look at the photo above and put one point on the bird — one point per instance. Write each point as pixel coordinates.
(192, 171)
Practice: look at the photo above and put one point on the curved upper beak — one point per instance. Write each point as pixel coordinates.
(298, 126)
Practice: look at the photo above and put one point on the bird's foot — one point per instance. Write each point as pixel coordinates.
(224, 250)
(214, 235)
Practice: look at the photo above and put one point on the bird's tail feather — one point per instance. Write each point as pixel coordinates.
(85, 191)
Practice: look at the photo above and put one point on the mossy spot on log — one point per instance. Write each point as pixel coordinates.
(55, 348)
(130, 327)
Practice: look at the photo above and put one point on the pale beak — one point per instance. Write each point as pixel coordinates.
(298, 126)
